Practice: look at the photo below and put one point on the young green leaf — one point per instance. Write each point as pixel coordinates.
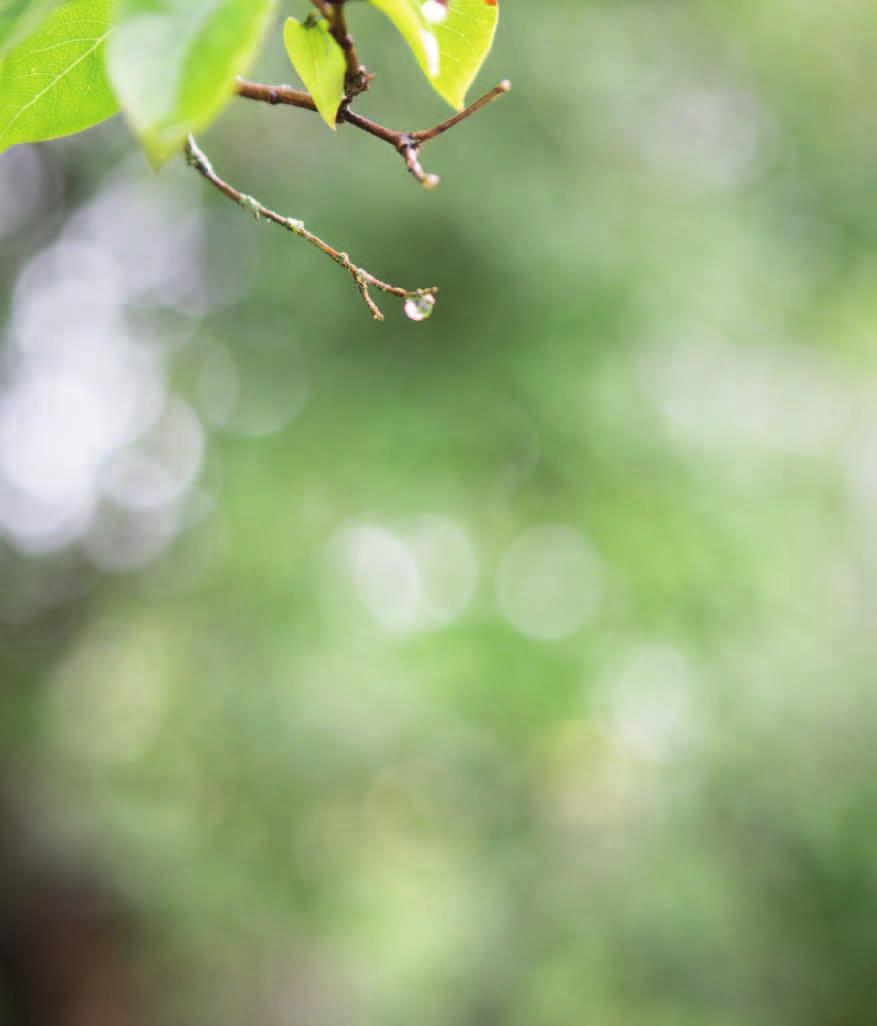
(18, 17)
(173, 63)
(52, 82)
(449, 38)
(320, 64)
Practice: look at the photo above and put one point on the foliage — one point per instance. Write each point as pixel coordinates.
(172, 64)
(17, 17)
(449, 40)
(52, 82)
(320, 63)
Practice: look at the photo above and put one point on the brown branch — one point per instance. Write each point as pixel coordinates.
(407, 144)
(423, 299)
(357, 78)
(418, 303)
(431, 133)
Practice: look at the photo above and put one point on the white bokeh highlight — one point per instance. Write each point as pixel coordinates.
(97, 452)
(550, 582)
(650, 702)
(418, 575)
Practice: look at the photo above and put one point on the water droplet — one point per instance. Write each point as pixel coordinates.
(419, 308)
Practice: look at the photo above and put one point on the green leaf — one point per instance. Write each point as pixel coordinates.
(52, 82)
(18, 17)
(450, 40)
(320, 64)
(173, 63)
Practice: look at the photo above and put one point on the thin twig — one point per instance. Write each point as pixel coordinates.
(407, 144)
(431, 133)
(361, 277)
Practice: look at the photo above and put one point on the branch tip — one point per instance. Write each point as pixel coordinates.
(363, 279)
(408, 144)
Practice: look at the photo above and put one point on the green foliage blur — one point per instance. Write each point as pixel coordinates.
(512, 668)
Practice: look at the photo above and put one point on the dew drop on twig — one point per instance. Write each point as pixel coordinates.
(419, 308)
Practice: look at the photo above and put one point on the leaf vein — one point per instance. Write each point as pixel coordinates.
(55, 81)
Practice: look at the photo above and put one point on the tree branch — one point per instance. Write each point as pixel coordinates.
(357, 78)
(407, 144)
(421, 300)
(431, 133)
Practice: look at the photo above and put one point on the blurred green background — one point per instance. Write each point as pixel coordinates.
(514, 668)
